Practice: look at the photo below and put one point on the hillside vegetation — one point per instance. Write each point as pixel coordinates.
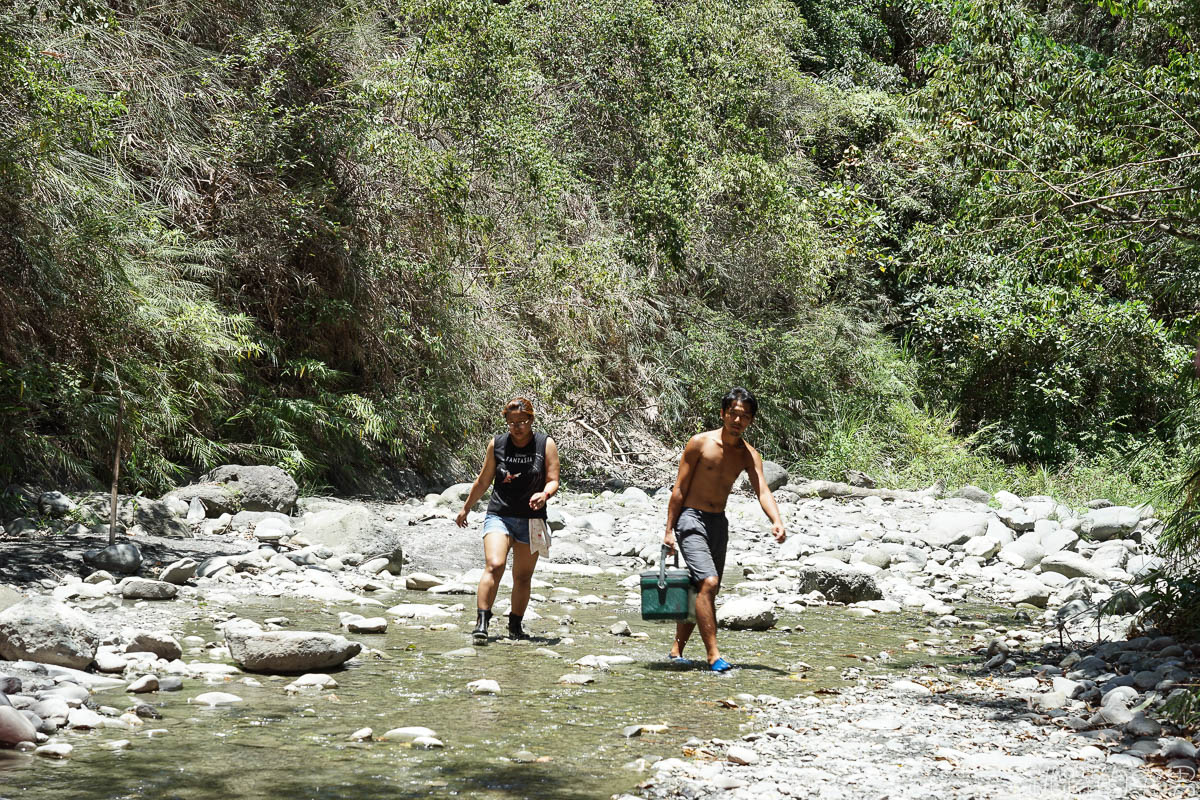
(939, 239)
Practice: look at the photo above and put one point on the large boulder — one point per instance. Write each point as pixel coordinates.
(839, 585)
(983, 547)
(268, 526)
(1018, 519)
(1139, 565)
(555, 518)
(1025, 553)
(747, 614)
(904, 554)
(876, 557)
(337, 525)
(598, 522)
(258, 488)
(777, 477)
(454, 496)
(179, 572)
(215, 498)
(288, 651)
(1109, 523)
(233, 488)
(20, 526)
(572, 553)
(156, 517)
(974, 494)
(55, 504)
(1041, 507)
(1007, 499)
(41, 629)
(1061, 539)
(1110, 556)
(1029, 589)
(250, 520)
(1073, 565)
(122, 557)
(947, 528)
(211, 567)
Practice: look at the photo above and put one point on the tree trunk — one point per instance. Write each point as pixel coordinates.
(116, 471)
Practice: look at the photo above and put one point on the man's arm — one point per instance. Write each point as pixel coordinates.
(683, 481)
(758, 482)
(482, 482)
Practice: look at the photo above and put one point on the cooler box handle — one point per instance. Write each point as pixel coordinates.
(662, 567)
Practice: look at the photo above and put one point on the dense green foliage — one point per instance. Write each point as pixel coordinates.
(1059, 295)
(938, 238)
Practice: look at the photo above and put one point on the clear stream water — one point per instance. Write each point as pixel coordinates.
(538, 739)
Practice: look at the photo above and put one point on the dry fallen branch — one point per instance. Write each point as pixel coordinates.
(597, 434)
(827, 489)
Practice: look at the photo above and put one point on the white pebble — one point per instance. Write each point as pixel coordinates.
(213, 699)
(483, 686)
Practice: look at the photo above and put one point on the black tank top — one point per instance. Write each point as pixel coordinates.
(520, 474)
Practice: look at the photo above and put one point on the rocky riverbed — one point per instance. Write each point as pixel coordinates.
(896, 644)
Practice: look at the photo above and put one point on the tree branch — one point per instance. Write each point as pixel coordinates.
(1130, 193)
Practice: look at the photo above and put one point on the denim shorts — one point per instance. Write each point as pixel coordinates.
(516, 527)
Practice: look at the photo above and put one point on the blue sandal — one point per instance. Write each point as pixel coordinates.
(720, 665)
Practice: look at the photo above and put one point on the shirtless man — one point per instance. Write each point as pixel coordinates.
(711, 462)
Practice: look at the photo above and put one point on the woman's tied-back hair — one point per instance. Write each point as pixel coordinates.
(518, 405)
(739, 395)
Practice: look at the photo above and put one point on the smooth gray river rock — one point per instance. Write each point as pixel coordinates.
(55, 504)
(160, 643)
(746, 613)
(14, 727)
(41, 629)
(54, 750)
(143, 685)
(1024, 553)
(84, 719)
(946, 528)
(1073, 565)
(406, 734)
(288, 651)
(123, 558)
(257, 488)
(841, 585)
(1112, 522)
(145, 589)
(1143, 726)
(52, 710)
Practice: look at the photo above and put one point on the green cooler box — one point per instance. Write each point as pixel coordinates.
(668, 594)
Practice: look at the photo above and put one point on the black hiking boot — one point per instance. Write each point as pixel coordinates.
(479, 636)
(514, 627)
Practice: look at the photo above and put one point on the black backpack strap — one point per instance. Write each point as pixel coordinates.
(539, 455)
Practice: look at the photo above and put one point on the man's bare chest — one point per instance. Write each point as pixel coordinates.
(719, 464)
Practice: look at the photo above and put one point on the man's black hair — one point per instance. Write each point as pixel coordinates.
(739, 395)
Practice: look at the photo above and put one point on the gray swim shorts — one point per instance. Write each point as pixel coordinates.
(702, 537)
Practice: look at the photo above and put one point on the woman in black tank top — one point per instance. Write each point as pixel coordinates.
(522, 468)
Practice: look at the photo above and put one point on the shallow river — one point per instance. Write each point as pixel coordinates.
(538, 739)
